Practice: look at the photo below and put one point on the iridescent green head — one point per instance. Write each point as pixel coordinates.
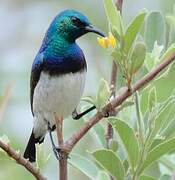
(70, 25)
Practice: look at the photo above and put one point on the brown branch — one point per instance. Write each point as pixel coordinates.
(63, 154)
(22, 161)
(63, 167)
(125, 93)
(119, 5)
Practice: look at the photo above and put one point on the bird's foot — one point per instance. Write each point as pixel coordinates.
(59, 154)
(107, 115)
(76, 115)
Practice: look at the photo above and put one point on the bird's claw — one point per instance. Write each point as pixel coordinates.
(58, 154)
(75, 115)
(107, 115)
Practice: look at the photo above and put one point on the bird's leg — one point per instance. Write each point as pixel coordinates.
(77, 116)
(59, 129)
(56, 150)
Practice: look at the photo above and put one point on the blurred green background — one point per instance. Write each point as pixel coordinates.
(23, 24)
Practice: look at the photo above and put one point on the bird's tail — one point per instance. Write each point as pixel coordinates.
(30, 151)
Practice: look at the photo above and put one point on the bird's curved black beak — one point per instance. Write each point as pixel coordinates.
(93, 29)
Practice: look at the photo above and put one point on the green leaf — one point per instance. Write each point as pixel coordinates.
(149, 61)
(155, 30)
(98, 133)
(156, 52)
(169, 132)
(133, 30)
(5, 139)
(103, 94)
(152, 98)
(110, 162)
(128, 138)
(102, 175)
(83, 164)
(145, 177)
(42, 157)
(164, 117)
(158, 152)
(154, 57)
(158, 140)
(113, 145)
(127, 104)
(113, 15)
(169, 52)
(137, 58)
(165, 79)
(115, 33)
(126, 165)
(116, 54)
(171, 23)
(88, 99)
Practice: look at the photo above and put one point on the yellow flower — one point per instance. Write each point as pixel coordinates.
(105, 42)
(112, 40)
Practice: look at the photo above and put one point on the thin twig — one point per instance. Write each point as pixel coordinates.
(22, 161)
(140, 126)
(63, 154)
(109, 134)
(119, 5)
(125, 93)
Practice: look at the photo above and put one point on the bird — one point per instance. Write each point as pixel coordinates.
(58, 75)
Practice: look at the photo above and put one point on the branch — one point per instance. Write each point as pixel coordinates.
(63, 155)
(22, 161)
(125, 93)
(119, 5)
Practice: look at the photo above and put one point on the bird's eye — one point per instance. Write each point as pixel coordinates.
(77, 22)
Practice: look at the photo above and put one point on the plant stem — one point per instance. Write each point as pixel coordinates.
(109, 134)
(140, 163)
(139, 119)
(119, 5)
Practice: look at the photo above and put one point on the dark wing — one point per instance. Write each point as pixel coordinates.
(35, 75)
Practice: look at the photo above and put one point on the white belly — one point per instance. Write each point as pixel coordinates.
(57, 94)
